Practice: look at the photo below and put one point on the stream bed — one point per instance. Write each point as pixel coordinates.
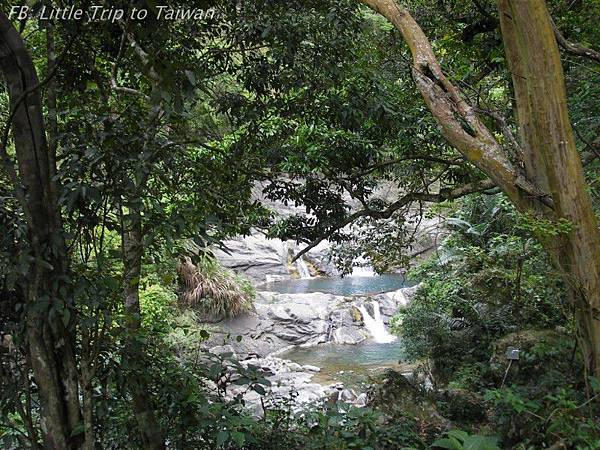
(359, 359)
(339, 360)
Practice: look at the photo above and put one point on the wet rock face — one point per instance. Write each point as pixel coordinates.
(256, 257)
(280, 321)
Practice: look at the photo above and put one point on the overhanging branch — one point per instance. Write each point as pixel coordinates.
(442, 196)
(458, 120)
(575, 48)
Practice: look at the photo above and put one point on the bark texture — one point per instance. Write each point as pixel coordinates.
(551, 158)
(133, 250)
(49, 343)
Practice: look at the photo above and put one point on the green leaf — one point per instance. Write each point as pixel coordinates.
(222, 437)
(458, 434)
(451, 444)
(595, 384)
(476, 442)
(238, 438)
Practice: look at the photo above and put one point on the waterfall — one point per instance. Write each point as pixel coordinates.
(302, 268)
(375, 324)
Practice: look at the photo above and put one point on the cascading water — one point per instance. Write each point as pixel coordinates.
(375, 324)
(303, 270)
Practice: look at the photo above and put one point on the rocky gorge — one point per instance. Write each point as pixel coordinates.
(306, 305)
(280, 322)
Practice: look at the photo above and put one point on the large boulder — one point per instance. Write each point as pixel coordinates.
(344, 318)
(302, 319)
(278, 322)
(401, 297)
(265, 260)
(396, 396)
(540, 353)
(256, 257)
(349, 335)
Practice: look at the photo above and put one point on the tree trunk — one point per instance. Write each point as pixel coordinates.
(552, 185)
(152, 438)
(551, 159)
(49, 344)
(133, 251)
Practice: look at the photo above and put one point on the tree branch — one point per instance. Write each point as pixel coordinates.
(506, 131)
(442, 196)
(573, 47)
(392, 162)
(7, 161)
(458, 120)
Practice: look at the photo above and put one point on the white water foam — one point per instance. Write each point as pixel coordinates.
(375, 324)
(303, 269)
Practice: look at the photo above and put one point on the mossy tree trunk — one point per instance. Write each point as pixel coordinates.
(551, 159)
(134, 355)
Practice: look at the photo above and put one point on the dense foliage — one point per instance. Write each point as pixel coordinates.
(489, 278)
(159, 135)
(490, 287)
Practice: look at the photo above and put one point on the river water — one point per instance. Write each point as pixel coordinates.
(359, 359)
(351, 285)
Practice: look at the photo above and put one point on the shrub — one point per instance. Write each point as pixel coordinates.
(487, 280)
(157, 306)
(560, 415)
(459, 440)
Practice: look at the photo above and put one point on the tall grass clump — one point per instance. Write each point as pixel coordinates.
(213, 288)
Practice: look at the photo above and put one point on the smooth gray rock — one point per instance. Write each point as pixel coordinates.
(283, 320)
(347, 395)
(256, 257)
(285, 377)
(349, 335)
(221, 349)
(361, 400)
(342, 318)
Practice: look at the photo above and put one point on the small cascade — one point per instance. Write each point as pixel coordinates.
(362, 271)
(302, 267)
(375, 324)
